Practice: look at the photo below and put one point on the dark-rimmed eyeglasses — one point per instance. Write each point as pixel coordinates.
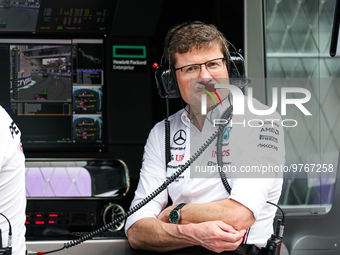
(213, 66)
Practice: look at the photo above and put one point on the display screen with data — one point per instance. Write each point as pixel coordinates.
(57, 17)
(53, 90)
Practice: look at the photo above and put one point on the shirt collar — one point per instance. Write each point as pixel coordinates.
(184, 116)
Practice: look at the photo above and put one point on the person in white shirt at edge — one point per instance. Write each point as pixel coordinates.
(210, 217)
(12, 184)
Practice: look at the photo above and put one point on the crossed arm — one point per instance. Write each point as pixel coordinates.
(217, 226)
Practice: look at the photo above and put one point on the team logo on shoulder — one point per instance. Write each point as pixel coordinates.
(180, 137)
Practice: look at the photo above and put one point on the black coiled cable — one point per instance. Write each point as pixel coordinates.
(167, 135)
(167, 142)
(227, 115)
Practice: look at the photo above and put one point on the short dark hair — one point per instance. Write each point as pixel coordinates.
(189, 35)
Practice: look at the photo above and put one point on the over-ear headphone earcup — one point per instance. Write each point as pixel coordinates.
(236, 70)
(166, 82)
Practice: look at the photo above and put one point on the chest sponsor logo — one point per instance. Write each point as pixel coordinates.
(179, 157)
(268, 138)
(225, 153)
(271, 130)
(177, 148)
(212, 163)
(177, 179)
(272, 123)
(175, 166)
(226, 134)
(180, 137)
(269, 146)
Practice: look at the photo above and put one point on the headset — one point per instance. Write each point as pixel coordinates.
(165, 74)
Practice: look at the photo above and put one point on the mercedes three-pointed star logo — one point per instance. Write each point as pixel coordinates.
(180, 137)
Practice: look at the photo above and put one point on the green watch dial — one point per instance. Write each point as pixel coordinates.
(173, 217)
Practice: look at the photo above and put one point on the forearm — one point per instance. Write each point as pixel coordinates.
(165, 236)
(228, 211)
(216, 236)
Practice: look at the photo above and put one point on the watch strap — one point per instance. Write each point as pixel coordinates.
(180, 206)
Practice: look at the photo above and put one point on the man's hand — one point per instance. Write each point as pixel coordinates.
(216, 236)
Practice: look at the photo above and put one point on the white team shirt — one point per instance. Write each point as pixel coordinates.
(12, 184)
(243, 146)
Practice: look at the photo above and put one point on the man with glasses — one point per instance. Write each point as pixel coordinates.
(204, 217)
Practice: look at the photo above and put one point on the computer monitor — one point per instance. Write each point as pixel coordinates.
(53, 90)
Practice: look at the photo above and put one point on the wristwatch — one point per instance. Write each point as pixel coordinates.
(175, 215)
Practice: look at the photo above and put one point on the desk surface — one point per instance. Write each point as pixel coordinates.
(101, 247)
